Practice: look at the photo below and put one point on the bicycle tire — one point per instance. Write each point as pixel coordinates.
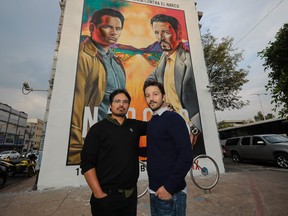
(142, 185)
(204, 172)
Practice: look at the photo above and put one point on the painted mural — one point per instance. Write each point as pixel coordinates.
(140, 50)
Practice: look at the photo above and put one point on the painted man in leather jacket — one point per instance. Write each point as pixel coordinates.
(99, 73)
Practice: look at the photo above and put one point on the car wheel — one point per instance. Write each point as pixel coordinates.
(236, 157)
(282, 160)
(3, 179)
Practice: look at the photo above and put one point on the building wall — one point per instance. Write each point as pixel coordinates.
(12, 127)
(34, 133)
(56, 172)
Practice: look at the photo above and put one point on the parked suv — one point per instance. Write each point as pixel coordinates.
(266, 147)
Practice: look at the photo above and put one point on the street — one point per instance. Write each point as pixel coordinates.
(18, 183)
(245, 189)
(22, 182)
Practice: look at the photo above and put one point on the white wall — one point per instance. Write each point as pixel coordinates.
(54, 173)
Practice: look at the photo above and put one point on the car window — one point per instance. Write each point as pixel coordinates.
(256, 140)
(275, 138)
(245, 141)
(231, 142)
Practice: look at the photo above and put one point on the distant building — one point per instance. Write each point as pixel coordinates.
(12, 128)
(230, 123)
(33, 134)
(271, 126)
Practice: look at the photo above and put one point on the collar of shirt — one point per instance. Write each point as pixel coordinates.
(111, 119)
(160, 111)
(171, 56)
(102, 51)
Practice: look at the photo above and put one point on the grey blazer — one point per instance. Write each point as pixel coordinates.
(184, 79)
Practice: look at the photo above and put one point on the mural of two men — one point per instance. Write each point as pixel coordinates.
(99, 72)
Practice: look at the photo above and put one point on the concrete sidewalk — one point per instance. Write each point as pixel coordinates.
(256, 192)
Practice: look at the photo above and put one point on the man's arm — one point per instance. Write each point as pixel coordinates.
(152, 77)
(89, 155)
(92, 180)
(156, 72)
(76, 140)
(183, 163)
(143, 132)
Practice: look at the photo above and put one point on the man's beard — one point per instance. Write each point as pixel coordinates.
(155, 108)
(119, 114)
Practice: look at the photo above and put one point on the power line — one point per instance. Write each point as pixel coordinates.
(259, 22)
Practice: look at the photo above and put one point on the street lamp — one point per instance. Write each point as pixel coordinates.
(26, 89)
(261, 103)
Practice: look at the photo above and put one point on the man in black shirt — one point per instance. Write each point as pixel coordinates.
(109, 159)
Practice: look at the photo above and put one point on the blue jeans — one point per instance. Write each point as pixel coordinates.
(173, 207)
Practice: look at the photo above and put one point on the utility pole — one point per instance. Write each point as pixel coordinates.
(259, 96)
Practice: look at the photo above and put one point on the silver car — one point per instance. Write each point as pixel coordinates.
(265, 147)
(11, 154)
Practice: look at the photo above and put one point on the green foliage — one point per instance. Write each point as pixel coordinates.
(275, 57)
(259, 116)
(226, 79)
(269, 116)
(223, 125)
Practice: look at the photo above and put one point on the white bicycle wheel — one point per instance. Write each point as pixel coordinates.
(204, 172)
(142, 183)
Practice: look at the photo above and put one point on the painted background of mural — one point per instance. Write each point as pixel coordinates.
(137, 47)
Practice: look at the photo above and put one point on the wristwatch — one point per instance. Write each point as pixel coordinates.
(194, 130)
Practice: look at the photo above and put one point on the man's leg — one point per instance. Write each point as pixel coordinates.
(130, 205)
(180, 201)
(160, 207)
(107, 206)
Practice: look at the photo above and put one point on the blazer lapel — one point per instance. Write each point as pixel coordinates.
(179, 71)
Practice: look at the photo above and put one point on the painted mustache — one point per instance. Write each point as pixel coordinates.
(163, 41)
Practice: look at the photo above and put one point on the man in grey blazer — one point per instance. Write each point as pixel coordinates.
(175, 72)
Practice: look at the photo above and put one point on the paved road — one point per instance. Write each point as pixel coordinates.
(245, 189)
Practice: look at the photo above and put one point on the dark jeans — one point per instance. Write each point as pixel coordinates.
(114, 204)
(173, 207)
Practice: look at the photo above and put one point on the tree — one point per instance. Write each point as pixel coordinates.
(275, 57)
(222, 125)
(269, 116)
(226, 80)
(259, 116)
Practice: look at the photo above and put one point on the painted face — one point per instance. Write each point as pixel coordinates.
(120, 105)
(166, 36)
(154, 97)
(107, 32)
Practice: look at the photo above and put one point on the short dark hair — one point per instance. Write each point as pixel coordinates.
(96, 17)
(119, 91)
(165, 18)
(154, 83)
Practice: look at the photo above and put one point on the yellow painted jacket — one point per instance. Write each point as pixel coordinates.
(90, 87)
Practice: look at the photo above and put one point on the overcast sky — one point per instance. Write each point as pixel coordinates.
(29, 29)
(252, 25)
